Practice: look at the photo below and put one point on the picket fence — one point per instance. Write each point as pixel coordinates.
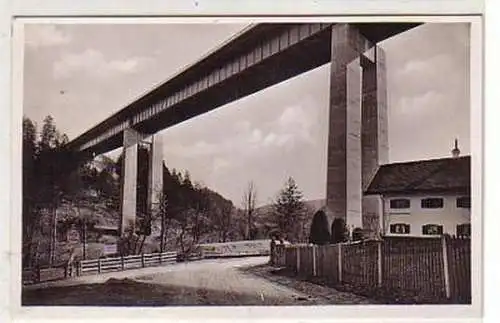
(430, 268)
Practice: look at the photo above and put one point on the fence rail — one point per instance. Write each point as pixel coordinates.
(104, 265)
(430, 268)
(215, 254)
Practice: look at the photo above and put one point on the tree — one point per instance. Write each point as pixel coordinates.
(54, 162)
(201, 207)
(47, 164)
(249, 201)
(186, 179)
(78, 195)
(222, 221)
(289, 210)
(320, 233)
(31, 214)
(339, 231)
(48, 137)
(165, 219)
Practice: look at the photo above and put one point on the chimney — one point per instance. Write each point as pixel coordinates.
(455, 152)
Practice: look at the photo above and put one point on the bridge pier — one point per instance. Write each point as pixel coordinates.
(155, 174)
(131, 141)
(357, 139)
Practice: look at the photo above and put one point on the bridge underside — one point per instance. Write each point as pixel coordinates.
(261, 57)
(265, 55)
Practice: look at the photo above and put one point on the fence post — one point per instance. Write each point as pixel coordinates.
(340, 262)
(159, 258)
(298, 259)
(445, 267)
(283, 257)
(99, 265)
(37, 273)
(379, 263)
(314, 260)
(142, 260)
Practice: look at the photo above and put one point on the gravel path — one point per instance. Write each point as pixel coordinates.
(205, 282)
(223, 275)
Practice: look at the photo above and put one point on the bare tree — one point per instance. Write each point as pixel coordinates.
(223, 221)
(165, 219)
(249, 200)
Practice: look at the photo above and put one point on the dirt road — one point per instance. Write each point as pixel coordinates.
(206, 282)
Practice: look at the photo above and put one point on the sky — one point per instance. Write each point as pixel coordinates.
(82, 73)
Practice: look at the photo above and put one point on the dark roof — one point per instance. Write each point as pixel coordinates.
(435, 175)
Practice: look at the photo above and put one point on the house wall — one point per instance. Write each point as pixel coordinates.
(449, 216)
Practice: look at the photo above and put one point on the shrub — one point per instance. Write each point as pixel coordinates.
(319, 233)
(339, 231)
(358, 234)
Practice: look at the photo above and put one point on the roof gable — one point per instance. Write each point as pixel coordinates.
(445, 174)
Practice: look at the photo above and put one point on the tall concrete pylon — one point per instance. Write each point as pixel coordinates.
(357, 138)
(131, 141)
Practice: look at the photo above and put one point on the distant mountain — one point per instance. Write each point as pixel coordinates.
(316, 204)
(263, 214)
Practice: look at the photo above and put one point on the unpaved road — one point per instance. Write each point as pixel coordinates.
(205, 282)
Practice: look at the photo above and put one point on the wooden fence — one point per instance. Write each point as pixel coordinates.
(430, 268)
(103, 265)
(215, 254)
(44, 273)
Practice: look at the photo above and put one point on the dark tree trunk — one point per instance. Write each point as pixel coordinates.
(142, 244)
(162, 234)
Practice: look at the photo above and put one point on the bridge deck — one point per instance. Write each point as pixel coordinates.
(262, 56)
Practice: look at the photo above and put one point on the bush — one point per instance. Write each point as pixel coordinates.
(358, 234)
(319, 233)
(339, 231)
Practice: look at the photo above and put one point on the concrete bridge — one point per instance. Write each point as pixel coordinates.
(259, 57)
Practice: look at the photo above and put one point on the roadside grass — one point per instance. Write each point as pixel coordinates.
(302, 283)
(326, 293)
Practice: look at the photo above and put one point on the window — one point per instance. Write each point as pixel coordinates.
(432, 229)
(400, 228)
(463, 202)
(432, 203)
(400, 204)
(463, 230)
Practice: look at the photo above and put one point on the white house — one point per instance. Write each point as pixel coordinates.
(424, 198)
